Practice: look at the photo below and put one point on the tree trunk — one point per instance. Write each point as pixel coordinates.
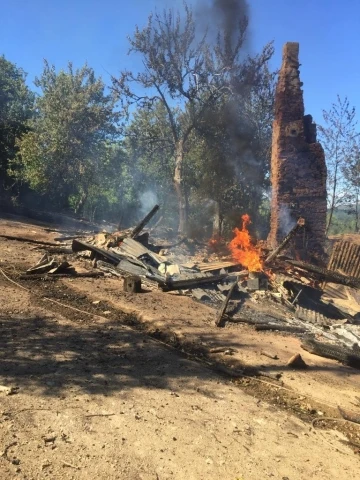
(179, 187)
(217, 220)
(80, 205)
(332, 200)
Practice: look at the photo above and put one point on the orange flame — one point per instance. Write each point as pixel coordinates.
(242, 249)
(214, 242)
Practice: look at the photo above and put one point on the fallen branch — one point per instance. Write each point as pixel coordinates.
(67, 464)
(4, 453)
(222, 350)
(281, 328)
(335, 352)
(269, 355)
(333, 419)
(29, 240)
(58, 250)
(39, 276)
(71, 237)
(349, 416)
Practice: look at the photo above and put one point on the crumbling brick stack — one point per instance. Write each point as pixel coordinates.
(298, 169)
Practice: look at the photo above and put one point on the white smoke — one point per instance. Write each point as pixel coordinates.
(287, 221)
(148, 200)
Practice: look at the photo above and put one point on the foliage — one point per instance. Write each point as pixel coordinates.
(351, 172)
(185, 71)
(16, 103)
(338, 136)
(68, 151)
(229, 156)
(343, 221)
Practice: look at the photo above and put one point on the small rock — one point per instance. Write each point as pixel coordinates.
(296, 361)
(49, 438)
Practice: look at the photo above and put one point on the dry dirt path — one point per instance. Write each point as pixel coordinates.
(98, 400)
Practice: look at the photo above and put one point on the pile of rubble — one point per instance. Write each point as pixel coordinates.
(286, 295)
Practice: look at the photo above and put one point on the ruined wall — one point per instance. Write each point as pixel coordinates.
(298, 170)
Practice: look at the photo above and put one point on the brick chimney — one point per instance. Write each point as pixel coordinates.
(298, 169)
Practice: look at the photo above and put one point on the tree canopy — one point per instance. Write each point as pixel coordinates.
(68, 149)
(16, 103)
(185, 70)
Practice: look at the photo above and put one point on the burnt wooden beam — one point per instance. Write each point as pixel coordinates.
(79, 246)
(39, 276)
(71, 237)
(300, 223)
(192, 282)
(29, 240)
(326, 274)
(143, 222)
(58, 250)
(220, 316)
(280, 328)
(335, 352)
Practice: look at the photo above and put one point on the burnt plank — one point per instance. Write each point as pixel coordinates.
(79, 246)
(143, 222)
(220, 316)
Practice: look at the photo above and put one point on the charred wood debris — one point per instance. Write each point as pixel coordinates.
(319, 305)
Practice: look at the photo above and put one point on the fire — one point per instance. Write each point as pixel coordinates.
(214, 242)
(242, 249)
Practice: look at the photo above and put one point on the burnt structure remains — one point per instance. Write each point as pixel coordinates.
(298, 169)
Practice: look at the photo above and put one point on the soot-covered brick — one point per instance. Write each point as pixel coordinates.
(298, 169)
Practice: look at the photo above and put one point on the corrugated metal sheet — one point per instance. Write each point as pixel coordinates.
(345, 258)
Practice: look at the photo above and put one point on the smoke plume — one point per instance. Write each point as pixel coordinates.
(148, 200)
(230, 13)
(225, 15)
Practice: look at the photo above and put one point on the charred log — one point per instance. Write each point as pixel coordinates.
(29, 240)
(335, 352)
(281, 328)
(39, 276)
(299, 225)
(145, 221)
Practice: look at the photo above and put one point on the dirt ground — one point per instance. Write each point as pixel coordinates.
(127, 387)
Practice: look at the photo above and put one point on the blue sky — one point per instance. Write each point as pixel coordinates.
(95, 31)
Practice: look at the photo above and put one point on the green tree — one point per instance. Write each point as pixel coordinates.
(183, 69)
(351, 172)
(233, 153)
(338, 137)
(16, 102)
(66, 153)
(150, 149)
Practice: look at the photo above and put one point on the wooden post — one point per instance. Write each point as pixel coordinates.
(300, 223)
(132, 284)
(220, 315)
(143, 222)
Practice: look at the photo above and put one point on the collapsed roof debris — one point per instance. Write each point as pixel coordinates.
(285, 295)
